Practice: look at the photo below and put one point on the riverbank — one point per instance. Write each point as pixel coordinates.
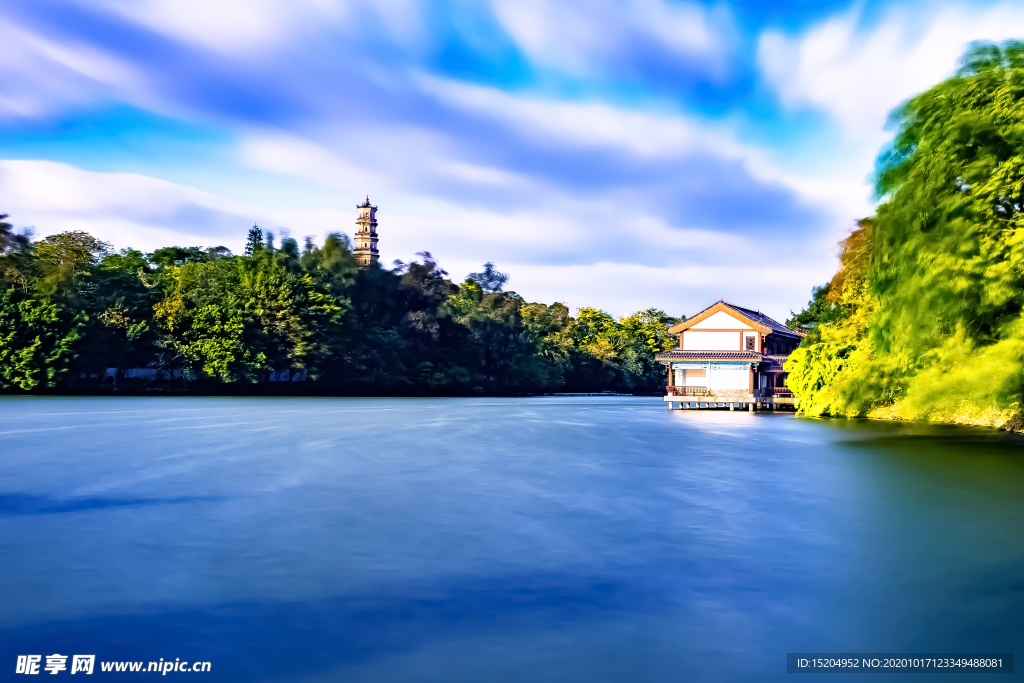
(965, 415)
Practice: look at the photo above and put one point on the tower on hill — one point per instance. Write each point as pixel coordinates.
(366, 234)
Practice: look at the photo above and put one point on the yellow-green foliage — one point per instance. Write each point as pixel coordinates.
(208, 337)
(938, 333)
(963, 383)
(824, 369)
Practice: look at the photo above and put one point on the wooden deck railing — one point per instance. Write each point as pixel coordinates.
(768, 392)
(687, 391)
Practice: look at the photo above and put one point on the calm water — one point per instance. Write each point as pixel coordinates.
(545, 539)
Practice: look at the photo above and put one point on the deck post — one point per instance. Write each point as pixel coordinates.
(750, 407)
(732, 406)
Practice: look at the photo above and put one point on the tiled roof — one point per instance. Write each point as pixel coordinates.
(757, 316)
(676, 354)
(755, 319)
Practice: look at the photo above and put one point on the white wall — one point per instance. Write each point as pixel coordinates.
(729, 377)
(711, 341)
(691, 378)
(721, 321)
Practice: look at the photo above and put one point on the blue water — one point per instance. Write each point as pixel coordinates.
(541, 539)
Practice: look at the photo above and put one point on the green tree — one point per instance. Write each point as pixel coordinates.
(490, 280)
(176, 256)
(821, 309)
(65, 257)
(824, 370)
(117, 299)
(941, 335)
(225, 319)
(10, 241)
(649, 327)
(203, 327)
(18, 265)
(36, 345)
(254, 242)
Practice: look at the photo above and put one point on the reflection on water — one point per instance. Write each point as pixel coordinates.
(545, 539)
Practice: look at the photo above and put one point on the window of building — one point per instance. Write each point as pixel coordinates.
(751, 344)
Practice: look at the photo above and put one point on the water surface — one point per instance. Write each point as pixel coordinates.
(543, 539)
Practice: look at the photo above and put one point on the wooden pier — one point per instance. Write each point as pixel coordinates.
(749, 403)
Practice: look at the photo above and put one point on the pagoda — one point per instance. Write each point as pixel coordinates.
(366, 234)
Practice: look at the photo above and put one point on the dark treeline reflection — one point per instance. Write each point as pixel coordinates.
(75, 317)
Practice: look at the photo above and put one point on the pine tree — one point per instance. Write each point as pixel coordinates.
(254, 242)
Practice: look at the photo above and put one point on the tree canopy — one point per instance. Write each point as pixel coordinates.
(75, 315)
(924, 317)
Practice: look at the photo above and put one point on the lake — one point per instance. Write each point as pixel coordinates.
(533, 539)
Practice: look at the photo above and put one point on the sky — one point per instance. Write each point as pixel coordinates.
(621, 154)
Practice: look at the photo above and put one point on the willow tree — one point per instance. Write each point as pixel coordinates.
(945, 282)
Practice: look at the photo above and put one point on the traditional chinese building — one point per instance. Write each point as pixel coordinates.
(366, 234)
(729, 356)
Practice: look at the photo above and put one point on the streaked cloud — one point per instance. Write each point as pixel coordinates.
(249, 28)
(571, 123)
(586, 38)
(618, 153)
(858, 73)
(42, 74)
(126, 208)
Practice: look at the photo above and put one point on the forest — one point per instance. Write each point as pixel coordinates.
(75, 316)
(925, 317)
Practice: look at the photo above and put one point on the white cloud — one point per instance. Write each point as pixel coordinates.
(41, 74)
(581, 124)
(482, 175)
(66, 189)
(584, 37)
(686, 288)
(576, 230)
(221, 25)
(649, 135)
(280, 153)
(378, 159)
(124, 208)
(859, 75)
(462, 239)
(250, 27)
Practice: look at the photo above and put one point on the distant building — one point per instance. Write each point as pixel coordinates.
(366, 234)
(729, 355)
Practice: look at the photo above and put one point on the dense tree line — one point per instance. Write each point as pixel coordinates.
(925, 317)
(75, 316)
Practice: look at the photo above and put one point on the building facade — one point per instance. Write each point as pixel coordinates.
(729, 355)
(366, 234)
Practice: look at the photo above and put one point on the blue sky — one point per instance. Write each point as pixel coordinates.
(614, 153)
